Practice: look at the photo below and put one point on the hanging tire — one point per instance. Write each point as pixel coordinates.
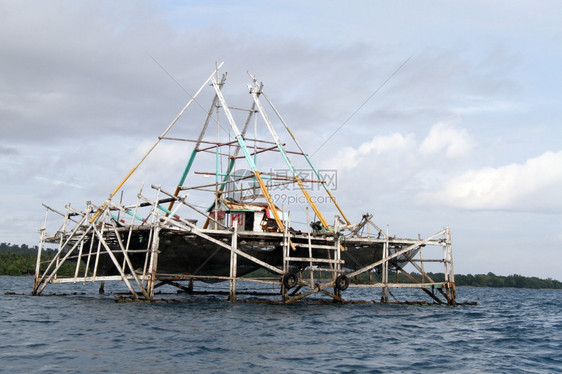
(342, 282)
(290, 280)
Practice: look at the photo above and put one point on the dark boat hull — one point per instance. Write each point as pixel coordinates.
(181, 253)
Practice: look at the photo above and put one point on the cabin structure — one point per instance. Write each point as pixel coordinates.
(225, 221)
(253, 216)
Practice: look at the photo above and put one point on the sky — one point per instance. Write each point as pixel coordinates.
(432, 114)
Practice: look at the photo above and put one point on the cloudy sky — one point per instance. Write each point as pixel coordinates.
(433, 113)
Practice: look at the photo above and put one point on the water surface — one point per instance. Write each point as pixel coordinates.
(509, 331)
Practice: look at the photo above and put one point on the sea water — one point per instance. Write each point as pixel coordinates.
(509, 331)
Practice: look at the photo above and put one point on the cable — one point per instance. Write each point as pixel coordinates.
(362, 105)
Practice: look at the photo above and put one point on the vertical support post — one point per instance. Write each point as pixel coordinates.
(422, 266)
(148, 256)
(449, 271)
(38, 263)
(153, 266)
(216, 183)
(233, 262)
(286, 264)
(384, 296)
(311, 270)
(39, 250)
(337, 254)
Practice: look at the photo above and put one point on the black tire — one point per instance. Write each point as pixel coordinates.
(290, 280)
(342, 282)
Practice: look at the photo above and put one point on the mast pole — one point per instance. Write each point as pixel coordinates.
(306, 157)
(101, 208)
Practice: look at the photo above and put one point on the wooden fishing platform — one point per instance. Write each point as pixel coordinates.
(245, 237)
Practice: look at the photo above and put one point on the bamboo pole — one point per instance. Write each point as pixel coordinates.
(384, 291)
(54, 260)
(396, 254)
(233, 263)
(198, 142)
(153, 265)
(249, 159)
(306, 157)
(39, 250)
(286, 157)
(155, 144)
(101, 239)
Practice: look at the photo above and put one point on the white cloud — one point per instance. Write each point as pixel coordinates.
(445, 135)
(535, 185)
(350, 157)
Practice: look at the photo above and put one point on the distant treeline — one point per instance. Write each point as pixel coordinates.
(492, 280)
(20, 260)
